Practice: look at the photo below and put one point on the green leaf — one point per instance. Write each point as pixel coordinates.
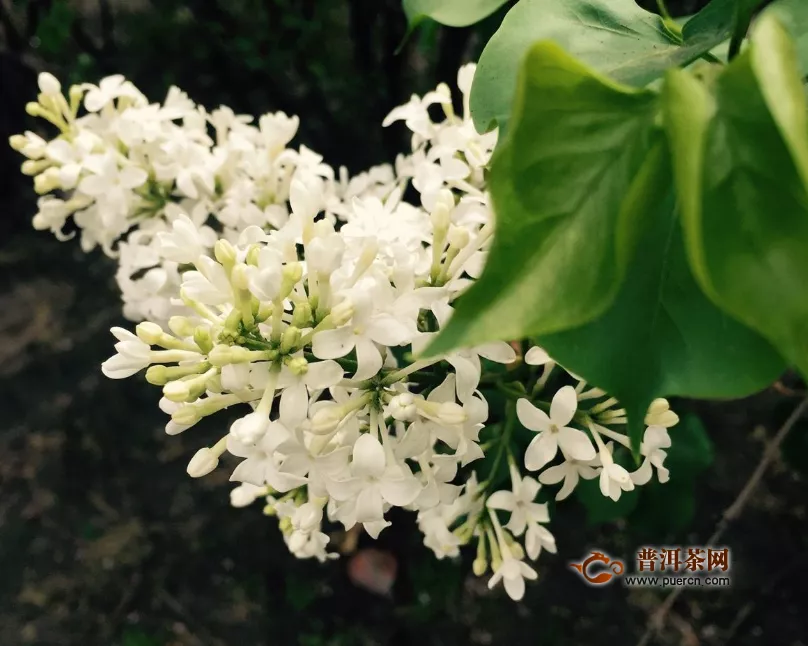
(615, 37)
(794, 15)
(661, 336)
(453, 13)
(741, 167)
(573, 166)
(691, 450)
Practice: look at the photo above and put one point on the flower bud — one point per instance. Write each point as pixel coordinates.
(75, 93)
(34, 109)
(245, 494)
(342, 313)
(451, 414)
(298, 366)
(181, 326)
(18, 142)
(479, 566)
(239, 277)
(203, 339)
(402, 407)
(290, 276)
(660, 414)
(458, 237)
(253, 254)
(177, 391)
(33, 167)
(307, 517)
(250, 428)
(297, 541)
(157, 375)
(46, 181)
(327, 419)
(49, 84)
(221, 355)
(301, 317)
(149, 332)
(224, 252)
(186, 415)
(172, 428)
(290, 339)
(203, 462)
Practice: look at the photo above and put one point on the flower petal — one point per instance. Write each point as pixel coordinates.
(576, 444)
(540, 451)
(531, 417)
(563, 406)
(368, 457)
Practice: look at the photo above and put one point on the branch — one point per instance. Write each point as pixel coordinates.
(732, 512)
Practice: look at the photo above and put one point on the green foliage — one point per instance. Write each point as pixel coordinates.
(453, 13)
(589, 255)
(745, 205)
(558, 201)
(615, 37)
(53, 30)
(794, 15)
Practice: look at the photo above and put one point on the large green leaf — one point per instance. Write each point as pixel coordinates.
(575, 164)
(741, 165)
(794, 15)
(615, 37)
(453, 13)
(661, 336)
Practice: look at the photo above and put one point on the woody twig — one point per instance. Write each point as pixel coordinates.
(657, 619)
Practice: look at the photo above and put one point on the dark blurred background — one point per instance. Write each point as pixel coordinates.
(104, 540)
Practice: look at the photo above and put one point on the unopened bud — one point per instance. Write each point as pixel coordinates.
(327, 419)
(290, 276)
(290, 339)
(479, 566)
(239, 277)
(47, 181)
(298, 366)
(451, 414)
(301, 317)
(402, 407)
(33, 167)
(149, 332)
(49, 84)
(307, 517)
(203, 462)
(224, 252)
(250, 428)
(458, 237)
(245, 494)
(297, 541)
(252, 255)
(34, 109)
(186, 415)
(177, 390)
(157, 375)
(203, 339)
(342, 313)
(18, 142)
(181, 326)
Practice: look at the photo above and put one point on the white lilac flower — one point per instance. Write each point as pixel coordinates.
(552, 431)
(270, 284)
